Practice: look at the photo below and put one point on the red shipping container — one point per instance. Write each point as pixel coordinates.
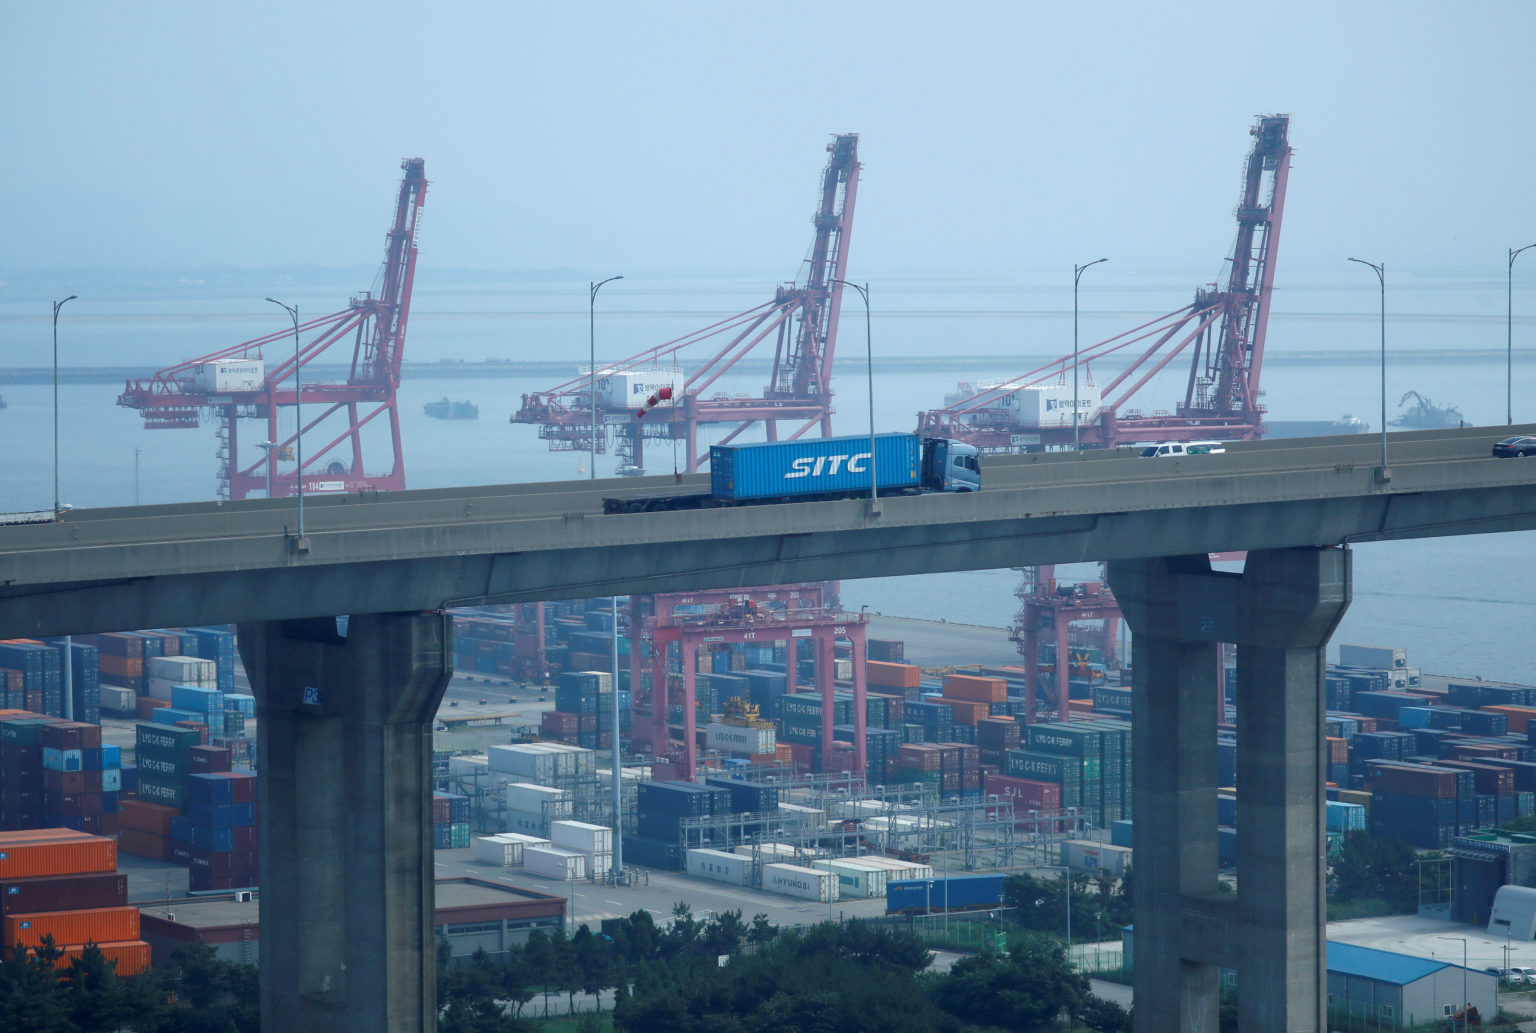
(89, 925)
(64, 782)
(204, 760)
(245, 837)
(915, 756)
(242, 786)
(119, 644)
(63, 893)
(144, 844)
(1492, 780)
(55, 852)
(967, 712)
(115, 667)
(1518, 717)
(1414, 780)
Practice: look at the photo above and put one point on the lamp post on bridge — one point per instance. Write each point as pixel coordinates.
(869, 376)
(592, 289)
(1077, 274)
(1381, 275)
(69, 649)
(1509, 336)
(298, 415)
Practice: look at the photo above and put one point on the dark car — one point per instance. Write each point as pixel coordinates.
(1517, 446)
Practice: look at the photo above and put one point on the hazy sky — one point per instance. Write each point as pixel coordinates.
(688, 137)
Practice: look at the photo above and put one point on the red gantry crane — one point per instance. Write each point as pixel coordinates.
(801, 320)
(1223, 331)
(236, 384)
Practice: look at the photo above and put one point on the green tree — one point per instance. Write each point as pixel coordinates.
(1023, 992)
(1104, 1016)
(724, 933)
(98, 1002)
(1372, 868)
(30, 995)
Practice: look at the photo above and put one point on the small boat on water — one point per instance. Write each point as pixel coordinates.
(1426, 415)
(443, 409)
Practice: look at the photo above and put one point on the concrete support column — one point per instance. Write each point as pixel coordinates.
(1280, 612)
(1060, 627)
(1173, 755)
(1292, 601)
(345, 762)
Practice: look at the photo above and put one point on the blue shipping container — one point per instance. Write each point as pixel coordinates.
(813, 466)
(958, 892)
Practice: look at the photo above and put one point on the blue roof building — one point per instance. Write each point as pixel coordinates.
(1390, 989)
(1402, 990)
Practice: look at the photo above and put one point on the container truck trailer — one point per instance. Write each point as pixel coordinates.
(821, 469)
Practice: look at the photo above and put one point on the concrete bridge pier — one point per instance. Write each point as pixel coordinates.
(345, 813)
(1280, 611)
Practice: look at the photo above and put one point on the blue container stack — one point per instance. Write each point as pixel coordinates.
(450, 821)
(41, 677)
(219, 828)
(206, 704)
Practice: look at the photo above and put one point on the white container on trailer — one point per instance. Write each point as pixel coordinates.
(555, 862)
(806, 883)
(854, 880)
(600, 861)
(719, 866)
(580, 835)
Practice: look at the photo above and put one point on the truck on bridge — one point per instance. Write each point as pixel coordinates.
(821, 469)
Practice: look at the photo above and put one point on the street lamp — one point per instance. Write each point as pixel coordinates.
(56, 306)
(1381, 275)
(592, 289)
(1464, 1001)
(298, 414)
(869, 361)
(69, 686)
(267, 447)
(1077, 274)
(1509, 336)
(1066, 873)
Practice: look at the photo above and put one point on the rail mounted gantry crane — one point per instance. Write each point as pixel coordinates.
(801, 320)
(375, 321)
(1222, 329)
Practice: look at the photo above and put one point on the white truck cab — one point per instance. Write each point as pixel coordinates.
(1183, 448)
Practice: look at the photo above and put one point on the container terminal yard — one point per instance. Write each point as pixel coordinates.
(524, 813)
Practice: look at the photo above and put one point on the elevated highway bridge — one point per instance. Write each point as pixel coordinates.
(346, 866)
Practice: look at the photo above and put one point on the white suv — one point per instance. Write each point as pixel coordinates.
(1183, 448)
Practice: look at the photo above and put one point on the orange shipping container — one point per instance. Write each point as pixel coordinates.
(89, 925)
(977, 690)
(896, 676)
(145, 706)
(1519, 717)
(131, 956)
(146, 817)
(966, 712)
(121, 666)
(55, 852)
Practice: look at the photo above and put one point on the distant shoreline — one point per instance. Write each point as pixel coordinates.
(957, 364)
